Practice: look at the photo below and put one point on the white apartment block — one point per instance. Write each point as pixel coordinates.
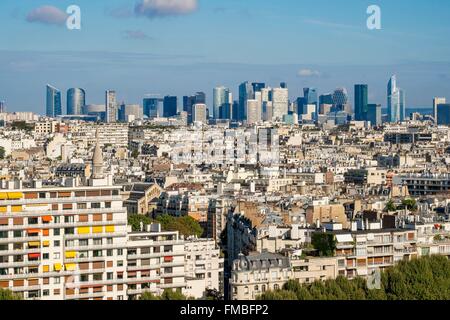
(203, 268)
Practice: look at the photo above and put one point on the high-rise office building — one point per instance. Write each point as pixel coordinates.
(395, 101)
(253, 113)
(53, 108)
(152, 107)
(374, 114)
(111, 106)
(311, 98)
(189, 101)
(170, 106)
(200, 113)
(280, 102)
(443, 114)
(361, 102)
(340, 99)
(436, 102)
(283, 85)
(221, 98)
(245, 93)
(130, 112)
(326, 99)
(2, 106)
(258, 86)
(76, 100)
(402, 104)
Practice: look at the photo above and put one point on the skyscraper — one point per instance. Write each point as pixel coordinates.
(76, 100)
(361, 102)
(311, 97)
(340, 99)
(130, 112)
(436, 102)
(2, 106)
(402, 104)
(396, 101)
(152, 107)
(443, 114)
(111, 106)
(253, 113)
(221, 98)
(189, 101)
(326, 99)
(280, 102)
(53, 108)
(170, 107)
(200, 113)
(258, 86)
(374, 114)
(245, 93)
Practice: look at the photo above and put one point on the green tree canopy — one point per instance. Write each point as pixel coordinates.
(324, 243)
(427, 278)
(6, 294)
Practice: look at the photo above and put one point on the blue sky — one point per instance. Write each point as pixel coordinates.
(197, 45)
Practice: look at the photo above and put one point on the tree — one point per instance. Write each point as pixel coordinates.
(135, 154)
(410, 204)
(324, 243)
(135, 220)
(2, 153)
(186, 225)
(390, 206)
(6, 294)
(427, 278)
(166, 295)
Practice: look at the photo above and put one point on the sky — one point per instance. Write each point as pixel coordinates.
(179, 47)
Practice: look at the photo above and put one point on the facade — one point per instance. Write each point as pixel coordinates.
(436, 102)
(396, 101)
(256, 273)
(203, 267)
(111, 106)
(199, 113)
(374, 114)
(130, 112)
(53, 108)
(152, 107)
(443, 114)
(76, 100)
(245, 93)
(253, 111)
(221, 99)
(170, 106)
(361, 102)
(280, 103)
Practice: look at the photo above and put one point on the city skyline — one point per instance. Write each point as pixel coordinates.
(137, 52)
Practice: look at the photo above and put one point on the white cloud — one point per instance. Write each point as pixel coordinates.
(308, 73)
(47, 15)
(164, 8)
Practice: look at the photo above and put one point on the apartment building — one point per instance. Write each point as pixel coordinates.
(155, 262)
(257, 273)
(61, 243)
(367, 247)
(203, 267)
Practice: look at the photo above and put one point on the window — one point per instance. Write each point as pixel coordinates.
(97, 242)
(45, 256)
(33, 221)
(45, 293)
(56, 232)
(97, 253)
(109, 276)
(120, 263)
(95, 205)
(109, 253)
(56, 255)
(70, 243)
(119, 252)
(108, 205)
(57, 243)
(69, 219)
(56, 280)
(17, 234)
(57, 219)
(42, 195)
(82, 206)
(109, 241)
(84, 242)
(69, 230)
(98, 276)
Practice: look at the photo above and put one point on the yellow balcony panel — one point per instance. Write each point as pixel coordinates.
(97, 229)
(57, 266)
(3, 195)
(83, 230)
(3, 209)
(109, 229)
(15, 195)
(34, 244)
(16, 208)
(71, 266)
(46, 268)
(71, 254)
(46, 243)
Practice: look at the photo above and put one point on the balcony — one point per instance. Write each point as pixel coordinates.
(64, 225)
